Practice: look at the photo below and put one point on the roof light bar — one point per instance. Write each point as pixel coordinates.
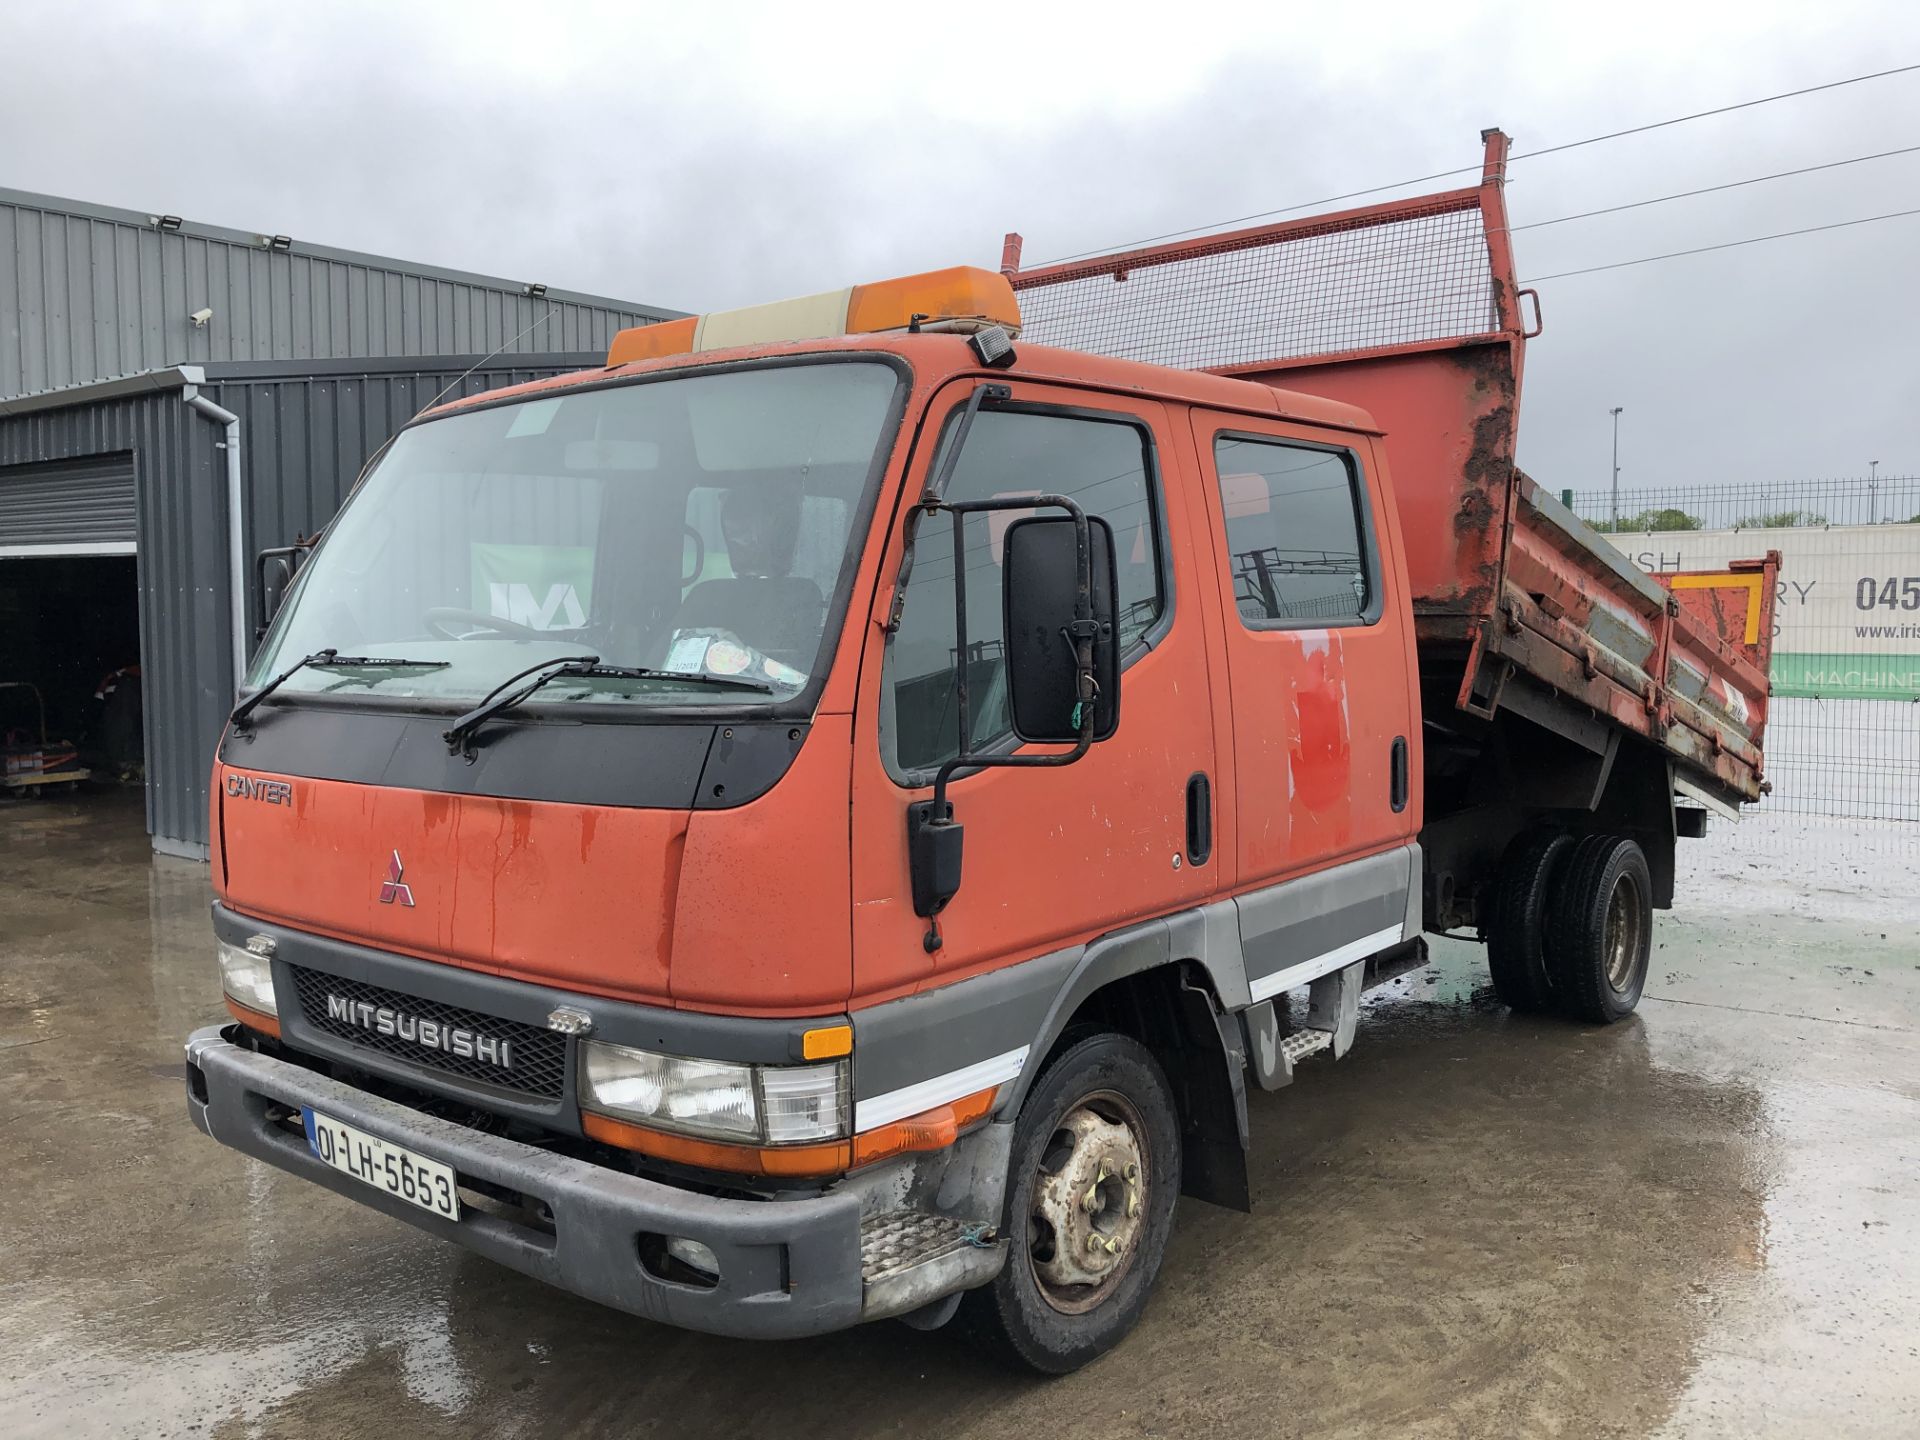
(961, 300)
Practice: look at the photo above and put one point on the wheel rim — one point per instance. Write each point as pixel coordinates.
(1088, 1206)
(1625, 931)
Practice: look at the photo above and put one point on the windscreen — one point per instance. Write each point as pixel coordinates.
(696, 527)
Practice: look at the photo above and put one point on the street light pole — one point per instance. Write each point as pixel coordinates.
(1616, 465)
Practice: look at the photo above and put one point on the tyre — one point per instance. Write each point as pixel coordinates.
(1091, 1185)
(1600, 929)
(1516, 930)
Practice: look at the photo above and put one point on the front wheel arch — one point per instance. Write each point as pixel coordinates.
(1172, 1010)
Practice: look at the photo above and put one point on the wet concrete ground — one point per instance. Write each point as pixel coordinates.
(1703, 1221)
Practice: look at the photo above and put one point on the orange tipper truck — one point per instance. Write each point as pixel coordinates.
(825, 817)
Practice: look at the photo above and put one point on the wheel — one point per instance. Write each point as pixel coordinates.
(1516, 931)
(1091, 1185)
(1600, 929)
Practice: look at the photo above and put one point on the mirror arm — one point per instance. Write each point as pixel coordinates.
(1007, 762)
(929, 500)
(937, 483)
(1081, 632)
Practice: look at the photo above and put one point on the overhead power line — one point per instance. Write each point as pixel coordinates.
(1711, 189)
(1467, 169)
(1724, 245)
(1717, 110)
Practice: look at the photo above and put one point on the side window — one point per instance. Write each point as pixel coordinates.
(1104, 465)
(1296, 544)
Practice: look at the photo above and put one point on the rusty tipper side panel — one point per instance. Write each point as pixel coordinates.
(1411, 311)
(1577, 616)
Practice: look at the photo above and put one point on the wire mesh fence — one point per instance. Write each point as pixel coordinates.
(1798, 505)
(1843, 730)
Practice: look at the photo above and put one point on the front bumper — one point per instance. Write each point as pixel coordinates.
(787, 1267)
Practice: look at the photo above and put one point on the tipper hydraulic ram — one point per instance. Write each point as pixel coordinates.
(820, 819)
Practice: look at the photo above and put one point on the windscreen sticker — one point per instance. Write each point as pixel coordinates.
(688, 655)
(726, 658)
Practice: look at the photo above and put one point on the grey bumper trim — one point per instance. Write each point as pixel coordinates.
(787, 1268)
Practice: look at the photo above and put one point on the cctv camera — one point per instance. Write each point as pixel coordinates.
(200, 318)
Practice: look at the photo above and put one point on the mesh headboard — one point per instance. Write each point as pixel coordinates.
(1408, 273)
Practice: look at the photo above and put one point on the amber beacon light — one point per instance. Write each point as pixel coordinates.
(959, 300)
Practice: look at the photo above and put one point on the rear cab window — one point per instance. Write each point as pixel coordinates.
(1300, 548)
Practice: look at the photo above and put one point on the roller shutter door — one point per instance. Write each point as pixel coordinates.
(68, 507)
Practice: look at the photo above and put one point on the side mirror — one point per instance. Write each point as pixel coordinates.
(273, 572)
(276, 573)
(1039, 578)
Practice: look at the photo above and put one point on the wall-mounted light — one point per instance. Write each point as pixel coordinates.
(281, 243)
(168, 223)
(538, 292)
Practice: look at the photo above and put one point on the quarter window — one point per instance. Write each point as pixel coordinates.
(1104, 466)
(1296, 546)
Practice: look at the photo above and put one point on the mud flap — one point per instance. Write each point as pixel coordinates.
(1212, 1077)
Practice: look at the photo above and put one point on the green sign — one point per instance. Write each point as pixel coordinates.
(1799, 674)
(545, 587)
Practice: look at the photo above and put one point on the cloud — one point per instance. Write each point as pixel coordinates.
(720, 155)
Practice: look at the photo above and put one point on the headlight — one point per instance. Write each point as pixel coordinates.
(247, 976)
(750, 1104)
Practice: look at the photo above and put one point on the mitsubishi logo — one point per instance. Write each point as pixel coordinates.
(393, 887)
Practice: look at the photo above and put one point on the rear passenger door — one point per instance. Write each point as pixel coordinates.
(1320, 687)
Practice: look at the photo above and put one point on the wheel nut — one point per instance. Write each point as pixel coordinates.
(1132, 1172)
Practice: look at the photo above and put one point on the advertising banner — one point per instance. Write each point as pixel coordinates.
(1847, 620)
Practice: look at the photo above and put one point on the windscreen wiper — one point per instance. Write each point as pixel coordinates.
(696, 677)
(460, 733)
(324, 660)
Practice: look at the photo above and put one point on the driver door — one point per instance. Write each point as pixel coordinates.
(1051, 856)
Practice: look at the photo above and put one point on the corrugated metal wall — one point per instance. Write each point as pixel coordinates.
(182, 566)
(88, 292)
(303, 440)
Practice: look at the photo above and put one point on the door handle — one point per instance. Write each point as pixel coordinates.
(1199, 819)
(1399, 773)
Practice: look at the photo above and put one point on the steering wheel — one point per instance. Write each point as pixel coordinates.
(699, 556)
(439, 621)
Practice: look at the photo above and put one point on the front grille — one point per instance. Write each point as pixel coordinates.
(537, 1056)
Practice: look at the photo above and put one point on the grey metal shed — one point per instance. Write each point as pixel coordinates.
(92, 291)
(284, 439)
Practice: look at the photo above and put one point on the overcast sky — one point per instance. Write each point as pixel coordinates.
(715, 155)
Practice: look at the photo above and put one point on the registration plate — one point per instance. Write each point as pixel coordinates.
(385, 1166)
